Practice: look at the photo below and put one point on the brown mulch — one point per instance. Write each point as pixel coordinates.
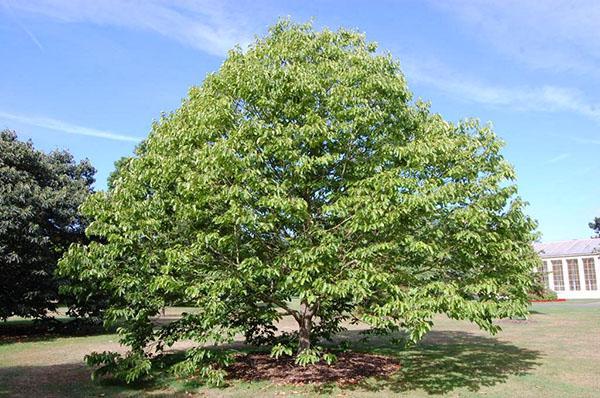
(350, 368)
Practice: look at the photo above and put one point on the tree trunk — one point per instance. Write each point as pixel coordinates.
(305, 324)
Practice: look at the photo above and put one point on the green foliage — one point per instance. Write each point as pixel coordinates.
(279, 350)
(205, 364)
(310, 356)
(133, 367)
(543, 294)
(595, 226)
(329, 358)
(304, 170)
(538, 289)
(39, 198)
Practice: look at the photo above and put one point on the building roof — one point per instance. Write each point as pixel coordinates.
(573, 247)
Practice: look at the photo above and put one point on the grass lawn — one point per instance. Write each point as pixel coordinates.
(556, 353)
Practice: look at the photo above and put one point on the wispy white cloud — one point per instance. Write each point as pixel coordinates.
(210, 25)
(59, 125)
(551, 34)
(545, 98)
(558, 39)
(556, 35)
(558, 158)
(28, 32)
(33, 38)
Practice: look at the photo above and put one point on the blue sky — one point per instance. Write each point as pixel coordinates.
(91, 76)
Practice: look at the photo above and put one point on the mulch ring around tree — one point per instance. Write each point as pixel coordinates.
(350, 368)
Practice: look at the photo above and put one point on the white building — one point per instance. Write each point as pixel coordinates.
(571, 267)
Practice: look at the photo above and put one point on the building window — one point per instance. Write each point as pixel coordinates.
(573, 272)
(543, 270)
(589, 274)
(557, 275)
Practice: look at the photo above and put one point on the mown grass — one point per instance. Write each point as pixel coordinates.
(556, 353)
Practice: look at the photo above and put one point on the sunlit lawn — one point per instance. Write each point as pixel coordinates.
(556, 353)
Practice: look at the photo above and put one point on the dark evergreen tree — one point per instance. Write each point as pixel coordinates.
(40, 195)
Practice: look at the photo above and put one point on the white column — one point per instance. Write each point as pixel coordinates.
(597, 266)
(581, 276)
(565, 275)
(550, 271)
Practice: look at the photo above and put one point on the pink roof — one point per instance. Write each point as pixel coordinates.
(573, 247)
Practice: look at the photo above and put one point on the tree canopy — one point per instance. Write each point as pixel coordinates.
(303, 180)
(595, 226)
(39, 198)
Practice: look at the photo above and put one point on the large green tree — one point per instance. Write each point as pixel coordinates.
(303, 171)
(39, 198)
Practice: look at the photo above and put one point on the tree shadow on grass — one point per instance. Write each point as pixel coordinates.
(63, 380)
(445, 361)
(72, 380)
(30, 331)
